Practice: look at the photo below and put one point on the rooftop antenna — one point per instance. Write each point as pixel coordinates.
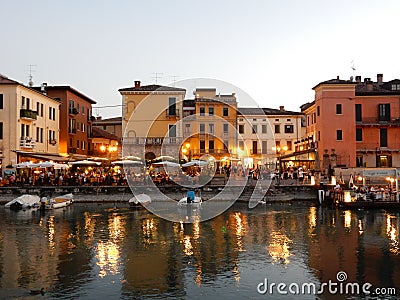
(353, 67)
(157, 76)
(30, 83)
(174, 78)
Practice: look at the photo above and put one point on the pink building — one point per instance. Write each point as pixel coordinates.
(355, 123)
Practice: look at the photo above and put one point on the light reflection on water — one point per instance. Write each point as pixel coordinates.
(96, 251)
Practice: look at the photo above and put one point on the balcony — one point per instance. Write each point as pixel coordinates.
(28, 114)
(73, 111)
(172, 113)
(27, 142)
(152, 141)
(72, 130)
(375, 121)
(53, 142)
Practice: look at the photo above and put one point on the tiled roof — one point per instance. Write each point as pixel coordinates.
(115, 119)
(152, 88)
(6, 80)
(67, 88)
(375, 88)
(100, 133)
(264, 111)
(335, 81)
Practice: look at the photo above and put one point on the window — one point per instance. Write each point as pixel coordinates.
(211, 110)
(83, 145)
(77, 107)
(187, 128)
(384, 112)
(264, 147)
(289, 145)
(226, 144)
(254, 120)
(41, 109)
(211, 145)
(1, 101)
(358, 113)
(277, 128)
(264, 128)
(338, 109)
(241, 145)
(383, 137)
(202, 111)
(202, 128)
(288, 120)
(255, 147)
(37, 134)
(1, 130)
(226, 129)
(172, 130)
(241, 129)
(339, 135)
(83, 110)
(83, 127)
(254, 129)
(172, 106)
(202, 145)
(395, 87)
(276, 120)
(318, 110)
(77, 144)
(211, 128)
(41, 135)
(37, 107)
(359, 134)
(225, 112)
(319, 135)
(289, 128)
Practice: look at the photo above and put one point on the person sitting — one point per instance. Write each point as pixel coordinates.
(190, 196)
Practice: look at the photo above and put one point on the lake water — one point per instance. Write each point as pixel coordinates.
(92, 251)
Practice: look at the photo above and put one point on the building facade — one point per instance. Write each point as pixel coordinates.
(151, 117)
(75, 120)
(29, 124)
(355, 123)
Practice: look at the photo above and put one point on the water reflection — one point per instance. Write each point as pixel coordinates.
(95, 251)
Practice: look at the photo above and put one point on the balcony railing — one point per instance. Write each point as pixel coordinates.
(73, 111)
(172, 113)
(28, 114)
(27, 142)
(376, 121)
(152, 141)
(208, 151)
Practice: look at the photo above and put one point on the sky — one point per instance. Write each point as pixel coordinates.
(274, 51)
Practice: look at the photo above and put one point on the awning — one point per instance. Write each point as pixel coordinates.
(43, 156)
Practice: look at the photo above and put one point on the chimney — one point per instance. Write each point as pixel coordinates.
(358, 79)
(137, 83)
(367, 79)
(281, 108)
(370, 86)
(43, 88)
(379, 78)
(337, 77)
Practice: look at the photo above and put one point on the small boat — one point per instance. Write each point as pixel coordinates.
(140, 200)
(24, 202)
(58, 202)
(196, 202)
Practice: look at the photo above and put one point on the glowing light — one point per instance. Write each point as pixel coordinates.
(360, 227)
(347, 219)
(279, 247)
(333, 180)
(392, 234)
(188, 248)
(347, 196)
(312, 217)
(102, 148)
(312, 180)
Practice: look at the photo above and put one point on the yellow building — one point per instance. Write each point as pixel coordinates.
(29, 124)
(209, 126)
(150, 118)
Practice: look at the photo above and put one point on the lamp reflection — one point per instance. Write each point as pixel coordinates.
(279, 247)
(392, 233)
(51, 233)
(347, 219)
(312, 218)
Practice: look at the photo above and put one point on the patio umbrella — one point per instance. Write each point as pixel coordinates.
(45, 164)
(85, 163)
(163, 158)
(24, 164)
(198, 163)
(127, 162)
(166, 164)
(60, 166)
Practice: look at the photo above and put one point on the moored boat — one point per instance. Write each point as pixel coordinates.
(196, 202)
(59, 201)
(140, 200)
(24, 202)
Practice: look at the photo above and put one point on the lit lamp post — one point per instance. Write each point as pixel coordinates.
(279, 151)
(186, 151)
(109, 149)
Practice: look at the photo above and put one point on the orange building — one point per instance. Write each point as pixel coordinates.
(355, 123)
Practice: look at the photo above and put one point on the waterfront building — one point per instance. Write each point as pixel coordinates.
(150, 120)
(209, 126)
(111, 125)
(269, 135)
(29, 124)
(75, 119)
(354, 123)
(105, 144)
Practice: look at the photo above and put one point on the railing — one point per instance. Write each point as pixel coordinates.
(27, 142)
(152, 141)
(73, 111)
(377, 121)
(208, 151)
(28, 114)
(255, 151)
(172, 113)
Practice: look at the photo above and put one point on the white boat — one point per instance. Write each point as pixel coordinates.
(24, 202)
(196, 202)
(58, 202)
(140, 200)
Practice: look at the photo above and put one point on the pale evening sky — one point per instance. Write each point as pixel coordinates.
(275, 51)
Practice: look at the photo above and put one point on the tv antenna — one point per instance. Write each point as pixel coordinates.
(352, 66)
(157, 76)
(30, 83)
(174, 78)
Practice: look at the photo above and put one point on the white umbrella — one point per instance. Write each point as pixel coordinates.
(166, 164)
(127, 162)
(60, 166)
(45, 164)
(85, 163)
(24, 164)
(164, 158)
(192, 163)
(131, 157)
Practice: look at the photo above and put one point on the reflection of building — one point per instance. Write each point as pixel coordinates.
(264, 130)
(356, 123)
(28, 123)
(75, 119)
(149, 120)
(209, 126)
(105, 144)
